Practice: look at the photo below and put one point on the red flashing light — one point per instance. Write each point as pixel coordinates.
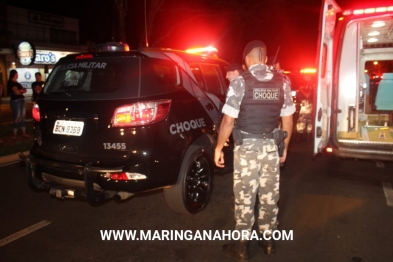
(308, 71)
(35, 112)
(198, 50)
(141, 113)
(368, 11)
(85, 56)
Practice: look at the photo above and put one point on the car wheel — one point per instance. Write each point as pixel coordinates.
(194, 185)
(32, 172)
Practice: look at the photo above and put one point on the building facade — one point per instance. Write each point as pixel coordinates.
(42, 37)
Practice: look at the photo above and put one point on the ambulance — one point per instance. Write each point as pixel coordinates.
(353, 109)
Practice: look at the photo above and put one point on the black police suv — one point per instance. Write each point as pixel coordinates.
(117, 122)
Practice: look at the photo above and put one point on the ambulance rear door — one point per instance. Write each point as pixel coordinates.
(323, 94)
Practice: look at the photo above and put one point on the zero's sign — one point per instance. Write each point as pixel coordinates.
(26, 53)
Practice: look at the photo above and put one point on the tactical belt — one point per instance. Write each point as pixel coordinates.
(258, 136)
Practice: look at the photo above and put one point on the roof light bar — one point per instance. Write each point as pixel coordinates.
(368, 11)
(198, 50)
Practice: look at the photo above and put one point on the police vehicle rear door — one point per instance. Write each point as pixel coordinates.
(322, 107)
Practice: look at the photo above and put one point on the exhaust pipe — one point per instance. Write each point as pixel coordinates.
(122, 195)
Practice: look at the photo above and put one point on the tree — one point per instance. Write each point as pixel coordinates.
(121, 11)
(153, 7)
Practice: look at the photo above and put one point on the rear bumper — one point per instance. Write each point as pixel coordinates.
(86, 187)
(93, 183)
(378, 153)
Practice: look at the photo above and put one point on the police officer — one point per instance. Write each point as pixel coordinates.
(254, 104)
(304, 122)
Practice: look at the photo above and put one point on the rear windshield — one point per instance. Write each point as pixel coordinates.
(111, 77)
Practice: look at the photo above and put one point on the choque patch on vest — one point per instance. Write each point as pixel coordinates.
(266, 94)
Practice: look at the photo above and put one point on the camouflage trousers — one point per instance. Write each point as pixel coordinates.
(304, 123)
(256, 175)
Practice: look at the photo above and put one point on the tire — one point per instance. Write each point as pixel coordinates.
(36, 172)
(194, 185)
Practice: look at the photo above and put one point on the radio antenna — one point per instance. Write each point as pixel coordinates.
(147, 42)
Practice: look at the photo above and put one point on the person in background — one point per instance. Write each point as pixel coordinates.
(36, 86)
(17, 103)
(233, 71)
(304, 122)
(255, 103)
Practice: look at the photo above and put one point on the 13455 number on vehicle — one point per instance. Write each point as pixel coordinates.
(115, 146)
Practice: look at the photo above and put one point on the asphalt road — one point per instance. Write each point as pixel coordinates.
(342, 216)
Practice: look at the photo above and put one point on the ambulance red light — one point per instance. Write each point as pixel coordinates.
(141, 113)
(358, 12)
(308, 71)
(368, 11)
(35, 112)
(85, 56)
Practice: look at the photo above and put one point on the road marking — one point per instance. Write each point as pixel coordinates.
(23, 232)
(387, 189)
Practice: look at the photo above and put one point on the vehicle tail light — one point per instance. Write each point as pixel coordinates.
(127, 176)
(119, 176)
(35, 111)
(329, 150)
(141, 113)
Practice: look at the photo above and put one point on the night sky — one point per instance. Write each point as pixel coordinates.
(226, 24)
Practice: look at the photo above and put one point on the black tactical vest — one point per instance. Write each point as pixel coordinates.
(261, 105)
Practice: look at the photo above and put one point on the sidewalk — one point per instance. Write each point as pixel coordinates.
(13, 147)
(13, 158)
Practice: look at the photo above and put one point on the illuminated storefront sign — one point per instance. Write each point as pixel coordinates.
(26, 76)
(49, 57)
(26, 53)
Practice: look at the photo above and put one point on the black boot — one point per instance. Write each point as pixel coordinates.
(268, 246)
(237, 250)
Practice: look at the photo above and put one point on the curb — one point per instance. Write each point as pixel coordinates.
(17, 157)
(13, 158)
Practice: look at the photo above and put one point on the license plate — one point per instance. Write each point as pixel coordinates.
(69, 128)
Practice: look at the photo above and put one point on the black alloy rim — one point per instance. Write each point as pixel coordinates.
(198, 183)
